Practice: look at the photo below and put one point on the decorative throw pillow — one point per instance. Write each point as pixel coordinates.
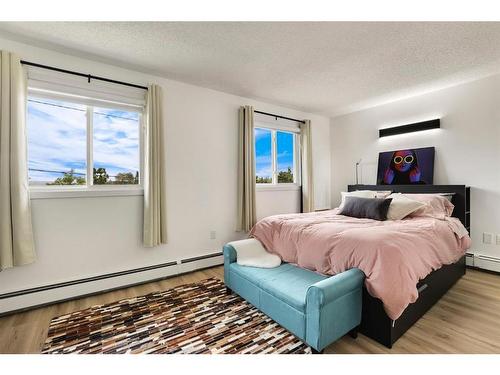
(436, 205)
(357, 193)
(366, 208)
(402, 206)
(448, 196)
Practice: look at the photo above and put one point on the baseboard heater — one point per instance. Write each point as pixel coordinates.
(469, 259)
(488, 258)
(106, 276)
(486, 262)
(189, 260)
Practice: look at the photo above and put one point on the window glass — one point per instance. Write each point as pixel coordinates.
(116, 147)
(284, 156)
(263, 156)
(57, 151)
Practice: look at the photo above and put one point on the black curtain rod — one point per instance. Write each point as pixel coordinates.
(278, 116)
(88, 76)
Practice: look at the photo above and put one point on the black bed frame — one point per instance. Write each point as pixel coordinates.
(374, 322)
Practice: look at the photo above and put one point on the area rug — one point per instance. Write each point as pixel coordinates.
(192, 318)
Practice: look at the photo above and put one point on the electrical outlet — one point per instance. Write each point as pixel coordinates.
(213, 235)
(498, 239)
(487, 238)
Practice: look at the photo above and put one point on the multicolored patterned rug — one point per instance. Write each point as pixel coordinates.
(192, 318)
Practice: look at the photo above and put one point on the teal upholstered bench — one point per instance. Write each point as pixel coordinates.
(317, 309)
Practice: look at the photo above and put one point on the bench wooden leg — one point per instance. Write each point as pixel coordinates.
(354, 333)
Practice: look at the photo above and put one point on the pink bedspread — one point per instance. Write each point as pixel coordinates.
(394, 255)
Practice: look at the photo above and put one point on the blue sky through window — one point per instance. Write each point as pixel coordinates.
(116, 141)
(57, 140)
(284, 150)
(263, 152)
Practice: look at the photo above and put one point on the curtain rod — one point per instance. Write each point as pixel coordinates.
(278, 116)
(88, 76)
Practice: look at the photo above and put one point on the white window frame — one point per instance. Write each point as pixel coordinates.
(89, 189)
(274, 185)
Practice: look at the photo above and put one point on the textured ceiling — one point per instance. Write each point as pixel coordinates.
(322, 67)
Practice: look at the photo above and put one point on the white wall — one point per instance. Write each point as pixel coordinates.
(83, 237)
(268, 205)
(467, 146)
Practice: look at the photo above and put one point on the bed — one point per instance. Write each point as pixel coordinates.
(374, 322)
(421, 255)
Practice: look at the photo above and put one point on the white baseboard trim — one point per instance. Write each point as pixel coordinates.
(45, 295)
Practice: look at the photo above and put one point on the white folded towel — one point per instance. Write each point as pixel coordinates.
(250, 252)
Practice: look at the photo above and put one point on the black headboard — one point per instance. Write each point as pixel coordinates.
(461, 197)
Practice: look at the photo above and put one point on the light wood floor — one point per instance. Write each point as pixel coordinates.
(465, 320)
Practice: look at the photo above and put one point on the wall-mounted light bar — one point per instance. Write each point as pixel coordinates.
(410, 128)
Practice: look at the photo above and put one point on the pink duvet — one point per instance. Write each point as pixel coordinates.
(394, 255)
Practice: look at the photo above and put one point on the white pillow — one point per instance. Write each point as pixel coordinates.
(448, 196)
(383, 193)
(357, 193)
(402, 206)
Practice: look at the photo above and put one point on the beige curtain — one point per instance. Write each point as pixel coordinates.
(16, 234)
(155, 207)
(246, 171)
(307, 167)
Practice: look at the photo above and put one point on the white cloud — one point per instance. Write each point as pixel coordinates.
(261, 133)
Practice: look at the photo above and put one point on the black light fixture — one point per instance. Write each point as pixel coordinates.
(410, 128)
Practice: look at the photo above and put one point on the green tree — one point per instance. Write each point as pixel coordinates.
(125, 178)
(100, 176)
(285, 176)
(263, 180)
(69, 178)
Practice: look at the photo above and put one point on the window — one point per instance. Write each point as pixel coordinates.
(276, 157)
(76, 144)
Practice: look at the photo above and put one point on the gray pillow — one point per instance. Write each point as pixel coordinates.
(366, 208)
